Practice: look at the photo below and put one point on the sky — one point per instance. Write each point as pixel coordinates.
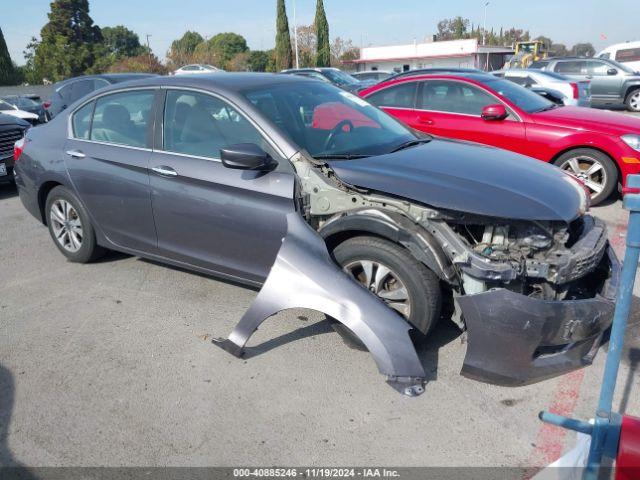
(365, 22)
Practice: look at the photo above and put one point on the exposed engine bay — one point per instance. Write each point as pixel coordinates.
(541, 259)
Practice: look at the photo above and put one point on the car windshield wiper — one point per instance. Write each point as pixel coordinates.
(340, 156)
(411, 143)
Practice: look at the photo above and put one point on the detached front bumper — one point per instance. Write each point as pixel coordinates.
(517, 340)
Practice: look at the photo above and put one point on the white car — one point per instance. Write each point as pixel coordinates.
(196, 68)
(553, 86)
(12, 110)
(627, 53)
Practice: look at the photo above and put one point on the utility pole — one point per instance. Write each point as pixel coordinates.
(484, 25)
(149, 50)
(295, 34)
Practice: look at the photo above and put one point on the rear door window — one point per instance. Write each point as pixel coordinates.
(571, 67)
(123, 118)
(397, 96)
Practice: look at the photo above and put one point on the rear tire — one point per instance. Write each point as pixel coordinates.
(395, 276)
(70, 227)
(632, 101)
(594, 168)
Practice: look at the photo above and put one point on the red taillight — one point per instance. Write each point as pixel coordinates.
(576, 90)
(18, 147)
(46, 104)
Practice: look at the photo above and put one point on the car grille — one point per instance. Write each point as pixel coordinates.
(7, 139)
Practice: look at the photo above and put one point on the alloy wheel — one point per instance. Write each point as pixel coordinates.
(634, 101)
(382, 282)
(589, 170)
(66, 225)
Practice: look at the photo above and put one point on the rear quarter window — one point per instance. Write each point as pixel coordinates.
(82, 121)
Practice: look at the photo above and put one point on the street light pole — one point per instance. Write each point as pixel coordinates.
(484, 25)
(295, 34)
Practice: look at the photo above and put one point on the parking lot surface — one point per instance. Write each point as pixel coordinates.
(111, 364)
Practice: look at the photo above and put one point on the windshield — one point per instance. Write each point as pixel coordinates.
(340, 78)
(6, 106)
(21, 102)
(621, 66)
(327, 121)
(525, 99)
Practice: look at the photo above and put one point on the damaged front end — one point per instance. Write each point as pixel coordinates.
(537, 297)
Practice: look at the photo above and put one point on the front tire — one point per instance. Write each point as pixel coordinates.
(594, 168)
(390, 272)
(70, 227)
(632, 101)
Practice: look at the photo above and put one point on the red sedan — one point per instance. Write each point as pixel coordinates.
(599, 147)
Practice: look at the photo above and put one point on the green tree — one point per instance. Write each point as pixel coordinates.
(68, 41)
(284, 58)
(453, 29)
(182, 50)
(145, 63)
(122, 42)
(221, 49)
(581, 50)
(258, 61)
(323, 52)
(7, 69)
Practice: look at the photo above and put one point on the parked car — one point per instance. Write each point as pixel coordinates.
(12, 110)
(627, 53)
(334, 76)
(196, 69)
(68, 91)
(433, 70)
(550, 85)
(612, 83)
(373, 76)
(26, 104)
(229, 165)
(12, 129)
(599, 147)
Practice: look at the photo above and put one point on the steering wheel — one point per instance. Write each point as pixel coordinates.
(337, 130)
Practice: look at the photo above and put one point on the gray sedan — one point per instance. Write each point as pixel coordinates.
(330, 204)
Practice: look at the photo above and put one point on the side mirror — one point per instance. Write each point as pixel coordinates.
(612, 71)
(246, 156)
(494, 112)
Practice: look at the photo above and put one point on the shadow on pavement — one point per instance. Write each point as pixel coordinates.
(8, 190)
(10, 468)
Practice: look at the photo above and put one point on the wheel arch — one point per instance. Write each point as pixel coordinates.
(393, 227)
(589, 147)
(43, 193)
(630, 89)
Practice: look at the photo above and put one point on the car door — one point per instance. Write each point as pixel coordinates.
(107, 158)
(209, 216)
(453, 108)
(606, 80)
(398, 100)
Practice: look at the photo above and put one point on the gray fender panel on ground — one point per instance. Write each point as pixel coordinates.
(305, 276)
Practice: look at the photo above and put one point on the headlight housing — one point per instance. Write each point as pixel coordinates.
(632, 140)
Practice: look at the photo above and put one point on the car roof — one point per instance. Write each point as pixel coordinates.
(230, 82)
(110, 77)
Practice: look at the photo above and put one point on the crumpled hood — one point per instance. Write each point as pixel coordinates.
(468, 178)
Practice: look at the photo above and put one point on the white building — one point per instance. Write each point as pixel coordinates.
(454, 53)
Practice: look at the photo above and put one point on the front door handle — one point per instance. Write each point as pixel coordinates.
(165, 171)
(75, 154)
(424, 120)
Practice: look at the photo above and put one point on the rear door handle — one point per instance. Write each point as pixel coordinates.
(75, 154)
(424, 120)
(165, 171)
